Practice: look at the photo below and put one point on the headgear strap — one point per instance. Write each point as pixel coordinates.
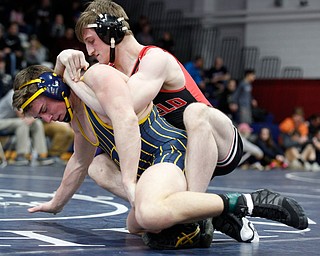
(110, 30)
(53, 87)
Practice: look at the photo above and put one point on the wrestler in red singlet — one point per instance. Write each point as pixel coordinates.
(172, 103)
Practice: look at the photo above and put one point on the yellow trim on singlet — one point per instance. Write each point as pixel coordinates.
(109, 126)
(82, 131)
(166, 129)
(175, 149)
(164, 156)
(106, 126)
(161, 150)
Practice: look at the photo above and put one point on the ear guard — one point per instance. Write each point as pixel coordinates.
(108, 27)
(52, 86)
(110, 30)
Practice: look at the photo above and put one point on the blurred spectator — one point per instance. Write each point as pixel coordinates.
(316, 143)
(17, 15)
(2, 41)
(137, 27)
(273, 154)
(216, 78)
(224, 99)
(259, 114)
(241, 100)
(313, 124)
(166, 42)
(145, 36)
(5, 79)
(43, 19)
(68, 41)
(252, 154)
(35, 53)
(195, 69)
(13, 49)
(75, 11)
(58, 27)
(295, 141)
(28, 131)
(61, 138)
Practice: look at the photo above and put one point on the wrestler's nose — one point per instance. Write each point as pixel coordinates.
(45, 117)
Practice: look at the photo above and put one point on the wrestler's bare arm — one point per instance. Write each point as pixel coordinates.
(74, 174)
(76, 169)
(157, 70)
(112, 93)
(147, 82)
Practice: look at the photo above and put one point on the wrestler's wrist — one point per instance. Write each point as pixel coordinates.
(57, 205)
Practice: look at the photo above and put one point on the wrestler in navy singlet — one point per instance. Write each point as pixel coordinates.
(161, 142)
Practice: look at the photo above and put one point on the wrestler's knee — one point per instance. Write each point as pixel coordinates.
(98, 170)
(107, 175)
(196, 115)
(93, 171)
(150, 216)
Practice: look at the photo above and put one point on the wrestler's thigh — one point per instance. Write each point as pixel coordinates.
(103, 169)
(105, 162)
(159, 181)
(223, 131)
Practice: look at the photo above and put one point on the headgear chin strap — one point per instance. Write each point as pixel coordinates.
(52, 86)
(110, 30)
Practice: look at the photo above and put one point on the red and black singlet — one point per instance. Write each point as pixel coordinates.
(172, 103)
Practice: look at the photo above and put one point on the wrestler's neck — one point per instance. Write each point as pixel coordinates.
(127, 53)
(75, 102)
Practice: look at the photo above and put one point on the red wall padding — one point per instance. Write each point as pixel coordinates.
(280, 96)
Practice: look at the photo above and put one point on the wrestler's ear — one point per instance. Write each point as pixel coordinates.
(55, 87)
(107, 27)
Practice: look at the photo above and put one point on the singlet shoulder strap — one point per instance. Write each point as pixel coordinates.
(141, 54)
(96, 144)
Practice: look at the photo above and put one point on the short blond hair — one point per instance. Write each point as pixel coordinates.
(95, 8)
(20, 96)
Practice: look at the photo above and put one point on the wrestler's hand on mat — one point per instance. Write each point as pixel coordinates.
(46, 207)
(73, 61)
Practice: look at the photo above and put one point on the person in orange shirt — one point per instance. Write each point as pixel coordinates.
(294, 140)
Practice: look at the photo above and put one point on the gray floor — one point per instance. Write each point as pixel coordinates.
(93, 223)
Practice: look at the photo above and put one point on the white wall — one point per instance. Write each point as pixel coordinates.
(290, 32)
(296, 43)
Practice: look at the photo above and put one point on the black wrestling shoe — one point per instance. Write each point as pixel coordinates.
(181, 236)
(237, 227)
(206, 233)
(273, 206)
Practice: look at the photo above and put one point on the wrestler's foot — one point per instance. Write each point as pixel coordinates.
(273, 206)
(180, 236)
(237, 227)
